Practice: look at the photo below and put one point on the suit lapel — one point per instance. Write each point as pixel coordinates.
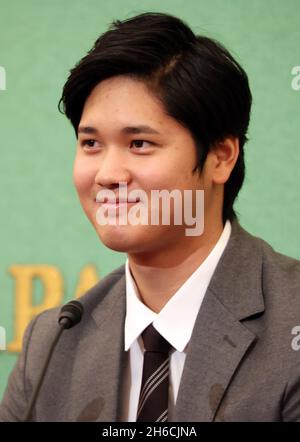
(101, 350)
(217, 346)
(220, 340)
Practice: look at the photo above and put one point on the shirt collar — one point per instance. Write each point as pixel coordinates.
(175, 322)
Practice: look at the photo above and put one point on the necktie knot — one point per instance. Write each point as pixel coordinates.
(154, 342)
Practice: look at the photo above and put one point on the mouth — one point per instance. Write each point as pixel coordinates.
(116, 202)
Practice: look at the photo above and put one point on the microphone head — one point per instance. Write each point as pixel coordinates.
(70, 314)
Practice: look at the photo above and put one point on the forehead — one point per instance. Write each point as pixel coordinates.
(126, 102)
(122, 90)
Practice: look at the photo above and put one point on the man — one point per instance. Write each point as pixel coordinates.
(155, 108)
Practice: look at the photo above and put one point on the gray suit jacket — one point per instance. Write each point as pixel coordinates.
(240, 364)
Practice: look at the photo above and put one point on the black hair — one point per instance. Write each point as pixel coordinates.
(196, 79)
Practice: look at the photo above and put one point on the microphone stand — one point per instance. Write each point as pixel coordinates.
(63, 324)
(70, 315)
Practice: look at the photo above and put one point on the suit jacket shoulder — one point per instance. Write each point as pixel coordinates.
(241, 347)
(78, 359)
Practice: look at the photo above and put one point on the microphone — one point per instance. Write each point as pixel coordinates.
(69, 315)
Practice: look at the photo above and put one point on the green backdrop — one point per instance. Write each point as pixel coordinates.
(41, 220)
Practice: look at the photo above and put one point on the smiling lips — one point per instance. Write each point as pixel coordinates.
(116, 201)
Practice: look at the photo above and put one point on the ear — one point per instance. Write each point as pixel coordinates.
(223, 157)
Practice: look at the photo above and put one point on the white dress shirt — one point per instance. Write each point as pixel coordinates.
(175, 322)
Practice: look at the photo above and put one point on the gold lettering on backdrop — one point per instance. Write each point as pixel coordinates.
(53, 296)
(25, 310)
(87, 278)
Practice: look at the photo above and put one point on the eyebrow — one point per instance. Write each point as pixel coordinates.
(142, 129)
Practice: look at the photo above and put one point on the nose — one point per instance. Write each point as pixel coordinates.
(113, 169)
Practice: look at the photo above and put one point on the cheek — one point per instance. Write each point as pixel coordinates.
(163, 173)
(83, 176)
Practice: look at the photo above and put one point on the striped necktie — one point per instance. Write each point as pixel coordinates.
(153, 401)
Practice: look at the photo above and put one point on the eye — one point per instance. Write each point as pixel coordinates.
(88, 143)
(139, 143)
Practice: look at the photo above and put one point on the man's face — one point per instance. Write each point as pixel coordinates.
(162, 159)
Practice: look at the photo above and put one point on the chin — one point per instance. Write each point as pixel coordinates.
(118, 239)
(129, 239)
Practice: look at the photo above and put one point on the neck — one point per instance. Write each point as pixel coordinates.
(158, 275)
